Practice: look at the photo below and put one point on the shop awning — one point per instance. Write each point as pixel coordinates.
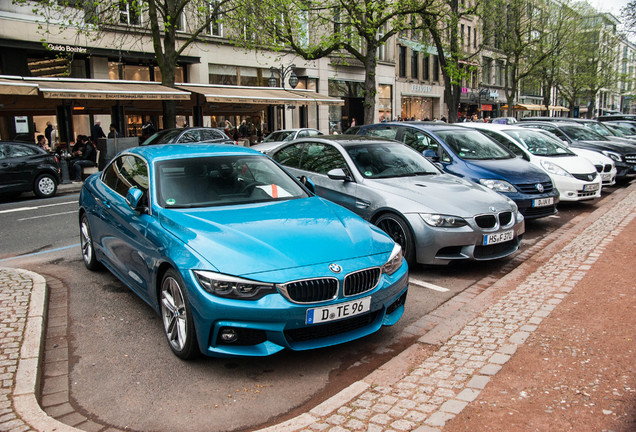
(17, 87)
(258, 95)
(558, 108)
(524, 107)
(59, 88)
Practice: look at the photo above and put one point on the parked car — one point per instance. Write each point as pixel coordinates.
(600, 128)
(623, 155)
(436, 217)
(26, 167)
(628, 127)
(504, 120)
(189, 135)
(235, 254)
(276, 138)
(470, 154)
(575, 177)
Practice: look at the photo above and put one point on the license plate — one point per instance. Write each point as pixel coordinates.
(606, 177)
(542, 202)
(498, 237)
(590, 187)
(338, 311)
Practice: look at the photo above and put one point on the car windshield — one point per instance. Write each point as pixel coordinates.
(579, 133)
(539, 144)
(387, 161)
(471, 144)
(223, 180)
(599, 128)
(163, 137)
(278, 136)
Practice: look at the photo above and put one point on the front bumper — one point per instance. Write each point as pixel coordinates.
(572, 189)
(274, 323)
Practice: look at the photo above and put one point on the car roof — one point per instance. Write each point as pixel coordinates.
(172, 151)
(432, 126)
(552, 123)
(490, 126)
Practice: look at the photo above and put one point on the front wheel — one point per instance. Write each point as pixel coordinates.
(398, 229)
(177, 316)
(45, 186)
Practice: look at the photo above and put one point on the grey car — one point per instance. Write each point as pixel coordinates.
(436, 217)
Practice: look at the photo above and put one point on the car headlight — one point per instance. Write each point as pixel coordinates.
(498, 185)
(612, 155)
(394, 262)
(232, 287)
(443, 221)
(553, 168)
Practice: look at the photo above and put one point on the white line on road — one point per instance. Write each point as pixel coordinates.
(428, 285)
(36, 207)
(47, 215)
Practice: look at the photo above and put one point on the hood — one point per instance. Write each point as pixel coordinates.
(514, 171)
(593, 156)
(262, 237)
(441, 194)
(621, 148)
(572, 164)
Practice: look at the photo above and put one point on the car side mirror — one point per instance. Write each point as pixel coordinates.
(306, 181)
(431, 155)
(133, 199)
(338, 174)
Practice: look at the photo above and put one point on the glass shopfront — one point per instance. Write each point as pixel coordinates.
(417, 108)
(385, 102)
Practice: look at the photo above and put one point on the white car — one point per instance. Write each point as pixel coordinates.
(278, 137)
(575, 177)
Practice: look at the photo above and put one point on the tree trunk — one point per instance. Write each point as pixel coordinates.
(370, 86)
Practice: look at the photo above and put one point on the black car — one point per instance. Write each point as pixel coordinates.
(575, 135)
(600, 128)
(189, 135)
(26, 167)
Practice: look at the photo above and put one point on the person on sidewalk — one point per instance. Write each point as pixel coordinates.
(113, 132)
(97, 132)
(88, 159)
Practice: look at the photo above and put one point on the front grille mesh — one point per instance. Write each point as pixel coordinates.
(585, 177)
(362, 281)
(490, 220)
(531, 188)
(312, 290)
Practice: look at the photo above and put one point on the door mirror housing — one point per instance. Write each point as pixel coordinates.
(134, 199)
(339, 174)
(431, 155)
(306, 181)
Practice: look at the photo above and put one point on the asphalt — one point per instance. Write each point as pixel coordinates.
(462, 347)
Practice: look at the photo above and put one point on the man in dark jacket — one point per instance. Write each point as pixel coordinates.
(88, 158)
(97, 132)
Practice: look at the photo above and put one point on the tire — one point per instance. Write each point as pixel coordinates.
(400, 231)
(176, 315)
(45, 186)
(86, 242)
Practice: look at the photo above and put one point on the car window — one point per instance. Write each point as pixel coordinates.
(503, 141)
(539, 143)
(302, 134)
(207, 135)
(388, 132)
(471, 144)
(445, 157)
(322, 158)
(389, 160)
(289, 156)
(190, 136)
(20, 151)
(312, 132)
(125, 172)
(581, 133)
(222, 180)
(418, 140)
(164, 137)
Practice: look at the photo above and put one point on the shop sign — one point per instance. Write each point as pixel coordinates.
(67, 48)
(21, 124)
(421, 88)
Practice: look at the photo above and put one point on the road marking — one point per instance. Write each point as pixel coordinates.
(47, 215)
(41, 252)
(35, 207)
(428, 285)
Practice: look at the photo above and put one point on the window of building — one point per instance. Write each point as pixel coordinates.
(474, 38)
(214, 15)
(485, 71)
(130, 12)
(402, 61)
(461, 35)
(415, 73)
(426, 66)
(435, 68)
(222, 74)
(385, 105)
(468, 36)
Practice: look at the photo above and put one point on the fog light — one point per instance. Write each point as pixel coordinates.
(229, 335)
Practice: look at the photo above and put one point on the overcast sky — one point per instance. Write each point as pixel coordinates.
(613, 6)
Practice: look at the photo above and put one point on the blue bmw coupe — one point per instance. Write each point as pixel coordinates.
(237, 256)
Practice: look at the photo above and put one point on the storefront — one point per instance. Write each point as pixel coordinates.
(420, 101)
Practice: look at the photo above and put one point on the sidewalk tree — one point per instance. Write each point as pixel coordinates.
(312, 29)
(160, 23)
(517, 36)
(443, 24)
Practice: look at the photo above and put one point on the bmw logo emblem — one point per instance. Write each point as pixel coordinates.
(492, 209)
(335, 268)
(539, 187)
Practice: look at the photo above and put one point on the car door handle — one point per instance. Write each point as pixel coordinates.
(362, 204)
(106, 204)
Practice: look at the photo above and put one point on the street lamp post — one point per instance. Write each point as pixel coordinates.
(283, 71)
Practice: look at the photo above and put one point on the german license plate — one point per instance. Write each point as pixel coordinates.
(500, 237)
(542, 202)
(606, 177)
(338, 311)
(590, 187)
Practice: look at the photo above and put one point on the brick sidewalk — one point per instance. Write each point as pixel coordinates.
(411, 392)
